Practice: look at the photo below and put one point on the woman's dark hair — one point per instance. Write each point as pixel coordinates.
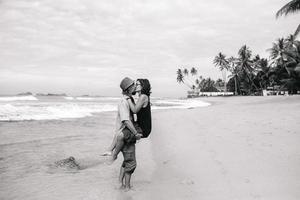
(146, 87)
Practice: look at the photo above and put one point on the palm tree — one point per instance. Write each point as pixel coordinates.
(208, 85)
(293, 65)
(290, 41)
(278, 53)
(245, 64)
(277, 50)
(193, 71)
(289, 8)
(187, 77)
(264, 73)
(234, 69)
(221, 61)
(179, 76)
(181, 79)
(223, 64)
(186, 72)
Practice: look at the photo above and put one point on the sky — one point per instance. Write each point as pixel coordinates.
(86, 47)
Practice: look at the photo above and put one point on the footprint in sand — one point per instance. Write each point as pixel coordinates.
(266, 145)
(247, 180)
(218, 162)
(165, 162)
(256, 196)
(213, 153)
(187, 182)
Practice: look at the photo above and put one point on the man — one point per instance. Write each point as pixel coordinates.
(126, 134)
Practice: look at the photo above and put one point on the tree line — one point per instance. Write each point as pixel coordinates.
(249, 73)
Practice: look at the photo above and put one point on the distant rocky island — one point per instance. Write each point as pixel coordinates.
(40, 94)
(51, 94)
(25, 94)
(54, 94)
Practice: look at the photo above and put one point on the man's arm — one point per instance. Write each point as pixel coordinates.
(125, 117)
(131, 127)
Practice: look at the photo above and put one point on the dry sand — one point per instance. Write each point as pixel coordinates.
(238, 148)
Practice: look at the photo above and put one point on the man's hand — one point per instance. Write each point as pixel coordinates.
(138, 136)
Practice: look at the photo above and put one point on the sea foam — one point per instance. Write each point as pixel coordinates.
(19, 112)
(19, 98)
(178, 104)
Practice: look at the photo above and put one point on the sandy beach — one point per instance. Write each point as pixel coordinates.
(237, 148)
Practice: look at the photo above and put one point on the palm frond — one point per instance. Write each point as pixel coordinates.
(297, 31)
(297, 68)
(291, 7)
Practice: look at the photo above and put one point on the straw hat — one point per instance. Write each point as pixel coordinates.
(126, 83)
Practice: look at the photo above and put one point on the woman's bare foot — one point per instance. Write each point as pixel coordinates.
(111, 159)
(107, 153)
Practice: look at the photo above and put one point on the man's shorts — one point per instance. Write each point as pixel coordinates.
(129, 137)
(129, 163)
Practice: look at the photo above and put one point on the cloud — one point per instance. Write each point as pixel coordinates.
(99, 42)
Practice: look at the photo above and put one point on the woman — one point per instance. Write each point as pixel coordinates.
(142, 108)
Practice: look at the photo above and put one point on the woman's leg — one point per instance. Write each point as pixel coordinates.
(113, 144)
(119, 145)
(109, 151)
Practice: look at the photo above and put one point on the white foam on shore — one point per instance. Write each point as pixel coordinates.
(9, 112)
(69, 98)
(85, 98)
(92, 98)
(71, 107)
(19, 98)
(179, 104)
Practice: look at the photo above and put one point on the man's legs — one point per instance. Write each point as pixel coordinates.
(129, 163)
(127, 180)
(121, 177)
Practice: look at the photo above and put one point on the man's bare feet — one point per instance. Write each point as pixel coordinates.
(122, 187)
(127, 189)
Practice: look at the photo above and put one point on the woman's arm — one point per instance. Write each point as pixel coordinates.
(135, 108)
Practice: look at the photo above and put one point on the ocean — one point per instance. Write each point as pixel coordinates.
(20, 108)
(38, 131)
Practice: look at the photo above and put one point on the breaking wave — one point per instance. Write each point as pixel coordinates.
(9, 112)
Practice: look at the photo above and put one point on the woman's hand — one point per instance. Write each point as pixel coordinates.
(136, 107)
(138, 136)
(127, 97)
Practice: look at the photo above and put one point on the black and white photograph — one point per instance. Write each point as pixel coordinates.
(149, 100)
